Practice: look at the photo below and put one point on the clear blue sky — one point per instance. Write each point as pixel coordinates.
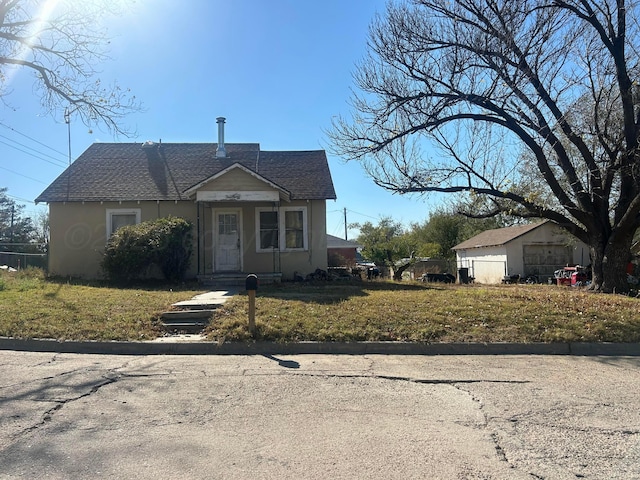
(278, 70)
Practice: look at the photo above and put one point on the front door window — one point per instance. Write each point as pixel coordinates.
(228, 241)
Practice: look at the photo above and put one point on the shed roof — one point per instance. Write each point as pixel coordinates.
(337, 242)
(165, 171)
(497, 236)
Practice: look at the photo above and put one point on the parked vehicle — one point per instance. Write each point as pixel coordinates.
(573, 275)
(529, 279)
(438, 277)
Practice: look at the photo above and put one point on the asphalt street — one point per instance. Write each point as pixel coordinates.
(70, 416)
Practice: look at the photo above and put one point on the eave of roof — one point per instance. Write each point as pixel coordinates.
(337, 242)
(497, 237)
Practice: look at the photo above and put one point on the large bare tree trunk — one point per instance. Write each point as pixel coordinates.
(610, 258)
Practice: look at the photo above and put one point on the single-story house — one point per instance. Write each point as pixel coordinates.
(253, 211)
(534, 249)
(341, 252)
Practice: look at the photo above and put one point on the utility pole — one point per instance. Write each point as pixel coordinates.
(345, 223)
(13, 209)
(67, 120)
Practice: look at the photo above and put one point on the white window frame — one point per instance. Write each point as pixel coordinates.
(283, 230)
(120, 211)
(282, 233)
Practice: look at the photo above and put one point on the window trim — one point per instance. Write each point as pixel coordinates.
(120, 211)
(282, 232)
(283, 229)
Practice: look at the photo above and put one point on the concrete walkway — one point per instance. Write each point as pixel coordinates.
(211, 299)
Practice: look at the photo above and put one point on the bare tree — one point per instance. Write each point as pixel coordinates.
(62, 44)
(487, 81)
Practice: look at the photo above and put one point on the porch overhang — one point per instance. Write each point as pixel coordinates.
(240, 196)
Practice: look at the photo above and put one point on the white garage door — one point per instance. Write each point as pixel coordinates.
(543, 260)
(488, 271)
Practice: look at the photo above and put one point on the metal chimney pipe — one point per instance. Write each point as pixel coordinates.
(220, 151)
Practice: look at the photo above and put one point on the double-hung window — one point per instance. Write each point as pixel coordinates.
(283, 229)
(294, 228)
(267, 221)
(119, 217)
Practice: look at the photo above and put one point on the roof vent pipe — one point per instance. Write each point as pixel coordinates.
(220, 151)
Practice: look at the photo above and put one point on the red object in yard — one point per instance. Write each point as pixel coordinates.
(578, 278)
(571, 276)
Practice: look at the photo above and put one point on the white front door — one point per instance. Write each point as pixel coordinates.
(228, 242)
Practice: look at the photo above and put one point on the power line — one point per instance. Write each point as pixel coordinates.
(57, 162)
(363, 214)
(351, 211)
(33, 139)
(25, 176)
(20, 198)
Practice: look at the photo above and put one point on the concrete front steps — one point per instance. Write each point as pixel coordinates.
(193, 315)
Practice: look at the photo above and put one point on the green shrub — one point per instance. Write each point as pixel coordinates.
(165, 242)
(173, 247)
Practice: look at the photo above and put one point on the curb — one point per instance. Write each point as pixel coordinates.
(327, 348)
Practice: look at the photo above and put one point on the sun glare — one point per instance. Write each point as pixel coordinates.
(41, 17)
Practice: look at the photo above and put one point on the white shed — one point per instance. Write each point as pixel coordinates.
(534, 249)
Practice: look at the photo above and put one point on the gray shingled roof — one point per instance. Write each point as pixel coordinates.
(337, 242)
(126, 171)
(497, 237)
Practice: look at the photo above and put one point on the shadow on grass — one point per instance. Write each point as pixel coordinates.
(334, 292)
(149, 285)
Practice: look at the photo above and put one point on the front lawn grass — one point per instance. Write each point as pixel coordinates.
(32, 306)
(417, 312)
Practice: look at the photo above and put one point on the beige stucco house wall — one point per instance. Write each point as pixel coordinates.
(78, 232)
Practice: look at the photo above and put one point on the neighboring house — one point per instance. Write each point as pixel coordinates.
(340, 252)
(535, 249)
(252, 211)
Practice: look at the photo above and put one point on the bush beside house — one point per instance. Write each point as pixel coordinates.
(133, 249)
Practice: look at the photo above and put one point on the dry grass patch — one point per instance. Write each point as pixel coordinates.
(385, 311)
(34, 307)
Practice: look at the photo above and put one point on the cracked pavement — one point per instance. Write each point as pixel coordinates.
(66, 416)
